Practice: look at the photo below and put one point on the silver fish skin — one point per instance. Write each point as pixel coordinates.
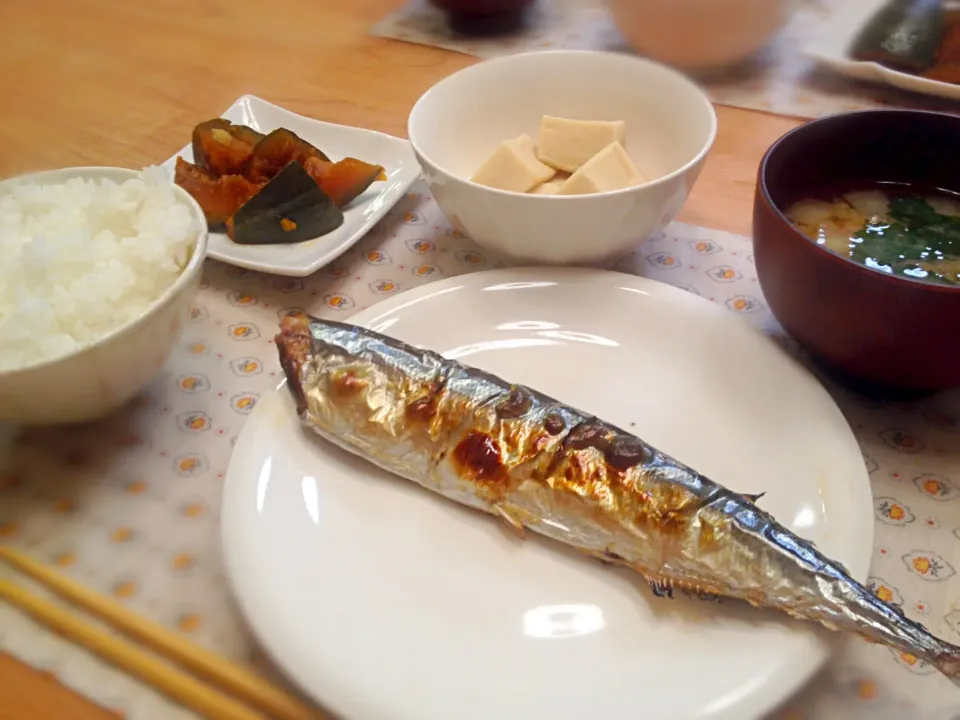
(541, 465)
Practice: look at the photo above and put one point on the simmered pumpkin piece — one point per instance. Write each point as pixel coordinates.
(277, 150)
(345, 180)
(223, 148)
(290, 208)
(218, 197)
(903, 35)
(246, 134)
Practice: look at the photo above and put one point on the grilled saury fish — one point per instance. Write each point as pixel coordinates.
(541, 465)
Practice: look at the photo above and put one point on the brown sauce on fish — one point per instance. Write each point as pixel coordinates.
(478, 456)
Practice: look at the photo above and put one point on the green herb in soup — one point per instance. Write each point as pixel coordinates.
(905, 234)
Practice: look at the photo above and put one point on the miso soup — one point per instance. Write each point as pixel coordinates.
(891, 227)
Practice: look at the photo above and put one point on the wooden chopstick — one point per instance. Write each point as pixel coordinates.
(183, 688)
(238, 680)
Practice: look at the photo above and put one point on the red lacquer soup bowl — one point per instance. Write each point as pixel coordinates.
(884, 330)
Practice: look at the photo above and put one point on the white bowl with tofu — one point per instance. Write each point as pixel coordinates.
(562, 157)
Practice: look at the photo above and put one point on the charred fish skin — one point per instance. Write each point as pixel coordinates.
(541, 465)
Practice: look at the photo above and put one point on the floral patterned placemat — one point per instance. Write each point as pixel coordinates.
(129, 506)
(780, 79)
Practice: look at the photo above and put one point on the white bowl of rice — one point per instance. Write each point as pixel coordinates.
(99, 267)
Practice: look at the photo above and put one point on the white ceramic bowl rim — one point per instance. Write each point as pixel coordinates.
(186, 275)
(478, 67)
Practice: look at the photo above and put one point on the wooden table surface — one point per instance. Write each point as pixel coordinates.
(101, 82)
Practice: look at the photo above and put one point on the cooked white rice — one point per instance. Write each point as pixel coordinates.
(82, 258)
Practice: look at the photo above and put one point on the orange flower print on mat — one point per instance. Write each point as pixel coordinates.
(866, 689)
(421, 247)
(338, 301)
(193, 383)
(663, 260)
(744, 304)
(65, 559)
(243, 332)
(705, 247)
(928, 565)
(884, 590)
(182, 562)
(246, 366)
(912, 663)
(376, 257)
(289, 312)
(892, 512)
(724, 273)
(189, 622)
(193, 509)
(124, 589)
(936, 487)
(901, 440)
(198, 348)
(456, 233)
(136, 487)
(194, 422)
(383, 287)
(244, 402)
(473, 259)
(942, 420)
(288, 285)
(242, 299)
(122, 535)
(413, 218)
(190, 465)
(427, 271)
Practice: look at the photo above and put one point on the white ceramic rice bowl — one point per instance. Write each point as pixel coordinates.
(99, 378)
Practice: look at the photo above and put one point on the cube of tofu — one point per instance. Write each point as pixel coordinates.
(568, 144)
(514, 166)
(548, 188)
(610, 169)
(551, 187)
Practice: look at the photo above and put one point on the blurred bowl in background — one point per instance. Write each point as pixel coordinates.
(699, 34)
(481, 17)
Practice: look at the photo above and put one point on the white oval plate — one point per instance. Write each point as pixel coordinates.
(385, 601)
(338, 141)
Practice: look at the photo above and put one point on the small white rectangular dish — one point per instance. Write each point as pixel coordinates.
(338, 141)
(831, 49)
